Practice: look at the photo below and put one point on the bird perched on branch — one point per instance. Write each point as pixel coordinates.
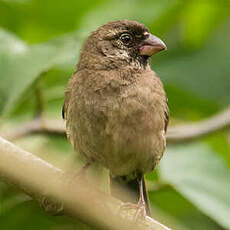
(115, 106)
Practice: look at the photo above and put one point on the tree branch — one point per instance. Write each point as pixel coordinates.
(195, 130)
(178, 133)
(57, 191)
(36, 126)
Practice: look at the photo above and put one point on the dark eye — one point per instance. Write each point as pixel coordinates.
(126, 38)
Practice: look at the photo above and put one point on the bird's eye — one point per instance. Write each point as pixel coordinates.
(126, 38)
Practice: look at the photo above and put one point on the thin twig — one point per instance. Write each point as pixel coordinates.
(36, 126)
(195, 130)
(176, 134)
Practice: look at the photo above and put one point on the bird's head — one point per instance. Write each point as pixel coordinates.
(119, 43)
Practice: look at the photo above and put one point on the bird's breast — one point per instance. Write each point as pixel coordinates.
(135, 130)
(121, 124)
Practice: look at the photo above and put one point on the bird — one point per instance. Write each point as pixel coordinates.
(116, 108)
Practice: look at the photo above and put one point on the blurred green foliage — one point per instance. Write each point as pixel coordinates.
(40, 42)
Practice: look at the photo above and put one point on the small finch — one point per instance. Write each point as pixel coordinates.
(115, 106)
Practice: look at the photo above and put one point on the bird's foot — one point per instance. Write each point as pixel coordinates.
(136, 210)
(140, 211)
(127, 206)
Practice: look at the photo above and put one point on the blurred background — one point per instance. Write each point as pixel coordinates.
(39, 47)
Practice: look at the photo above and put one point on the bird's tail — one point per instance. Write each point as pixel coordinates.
(131, 192)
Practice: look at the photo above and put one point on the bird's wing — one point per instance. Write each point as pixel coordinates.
(158, 87)
(68, 95)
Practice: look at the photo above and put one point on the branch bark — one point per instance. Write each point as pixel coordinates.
(176, 134)
(57, 191)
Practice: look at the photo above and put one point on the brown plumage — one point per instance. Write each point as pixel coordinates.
(115, 106)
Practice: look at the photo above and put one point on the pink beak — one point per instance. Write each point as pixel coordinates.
(151, 45)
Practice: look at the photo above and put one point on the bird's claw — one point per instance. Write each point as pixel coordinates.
(139, 208)
(140, 212)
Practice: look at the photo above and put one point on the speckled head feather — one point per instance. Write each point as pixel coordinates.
(121, 26)
(107, 44)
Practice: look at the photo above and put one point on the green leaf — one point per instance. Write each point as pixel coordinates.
(200, 19)
(204, 73)
(28, 215)
(38, 21)
(177, 212)
(202, 177)
(21, 65)
(11, 48)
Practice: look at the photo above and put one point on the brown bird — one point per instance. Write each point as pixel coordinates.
(115, 106)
